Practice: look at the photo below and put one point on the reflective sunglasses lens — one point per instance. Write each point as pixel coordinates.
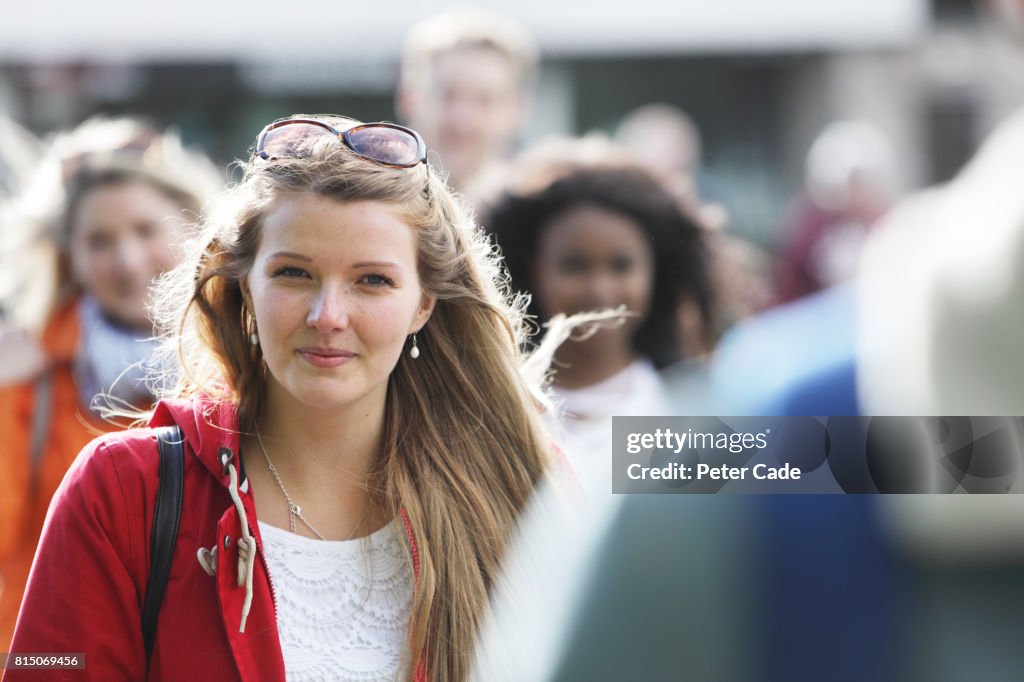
(291, 140)
(387, 145)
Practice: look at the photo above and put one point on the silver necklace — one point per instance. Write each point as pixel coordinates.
(294, 510)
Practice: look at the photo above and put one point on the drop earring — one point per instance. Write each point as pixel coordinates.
(250, 322)
(414, 352)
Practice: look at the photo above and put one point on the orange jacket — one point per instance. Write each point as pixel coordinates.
(24, 496)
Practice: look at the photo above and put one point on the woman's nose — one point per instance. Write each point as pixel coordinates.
(602, 290)
(130, 258)
(329, 311)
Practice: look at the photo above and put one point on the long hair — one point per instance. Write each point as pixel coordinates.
(463, 446)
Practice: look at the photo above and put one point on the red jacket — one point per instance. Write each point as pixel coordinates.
(89, 575)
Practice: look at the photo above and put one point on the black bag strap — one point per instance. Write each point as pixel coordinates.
(164, 534)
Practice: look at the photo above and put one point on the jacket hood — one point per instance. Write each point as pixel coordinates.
(207, 424)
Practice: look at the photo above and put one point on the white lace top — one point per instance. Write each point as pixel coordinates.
(342, 607)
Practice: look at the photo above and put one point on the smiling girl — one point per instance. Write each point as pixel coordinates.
(585, 228)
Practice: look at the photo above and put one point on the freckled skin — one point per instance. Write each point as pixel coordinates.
(338, 277)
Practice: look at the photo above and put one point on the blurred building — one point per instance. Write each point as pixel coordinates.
(760, 79)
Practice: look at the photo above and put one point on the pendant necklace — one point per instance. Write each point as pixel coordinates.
(294, 510)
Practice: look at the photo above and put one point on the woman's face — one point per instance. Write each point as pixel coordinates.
(590, 258)
(123, 236)
(335, 291)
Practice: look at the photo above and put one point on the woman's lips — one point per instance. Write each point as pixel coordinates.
(326, 357)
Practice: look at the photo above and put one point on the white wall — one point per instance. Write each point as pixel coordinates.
(232, 29)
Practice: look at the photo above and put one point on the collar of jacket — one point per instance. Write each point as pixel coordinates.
(208, 425)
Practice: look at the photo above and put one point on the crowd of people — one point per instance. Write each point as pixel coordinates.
(393, 354)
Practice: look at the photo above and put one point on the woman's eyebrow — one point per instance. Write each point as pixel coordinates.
(376, 264)
(291, 254)
(360, 264)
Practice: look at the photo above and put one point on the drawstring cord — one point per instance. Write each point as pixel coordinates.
(246, 544)
(208, 560)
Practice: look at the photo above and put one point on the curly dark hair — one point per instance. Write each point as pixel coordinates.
(681, 261)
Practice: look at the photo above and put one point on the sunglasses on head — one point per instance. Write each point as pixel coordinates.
(388, 144)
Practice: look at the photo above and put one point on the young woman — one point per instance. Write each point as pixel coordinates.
(583, 228)
(360, 441)
(103, 217)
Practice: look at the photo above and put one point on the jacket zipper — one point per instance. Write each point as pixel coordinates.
(270, 579)
(259, 549)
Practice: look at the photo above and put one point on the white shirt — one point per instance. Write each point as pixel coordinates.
(342, 607)
(585, 423)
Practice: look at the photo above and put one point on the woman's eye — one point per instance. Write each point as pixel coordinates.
(290, 272)
(100, 242)
(572, 265)
(146, 230)
(378, 280)
(622, 265)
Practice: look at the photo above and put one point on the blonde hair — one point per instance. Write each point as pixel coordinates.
(468, 28)
(463, 447)
(34, 273)
(19, 151)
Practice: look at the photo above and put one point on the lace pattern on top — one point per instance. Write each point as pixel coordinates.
(342, 607)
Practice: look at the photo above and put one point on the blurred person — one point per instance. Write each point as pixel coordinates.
(643, 587)
(466, 81)
(767, 588)
(849, 184)
(941, 334)
(101, 219)
(668, 141)
(845, 618)
(360, 440)
(836, 607)
(585, 228)
(946, 269)
(798, 358)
